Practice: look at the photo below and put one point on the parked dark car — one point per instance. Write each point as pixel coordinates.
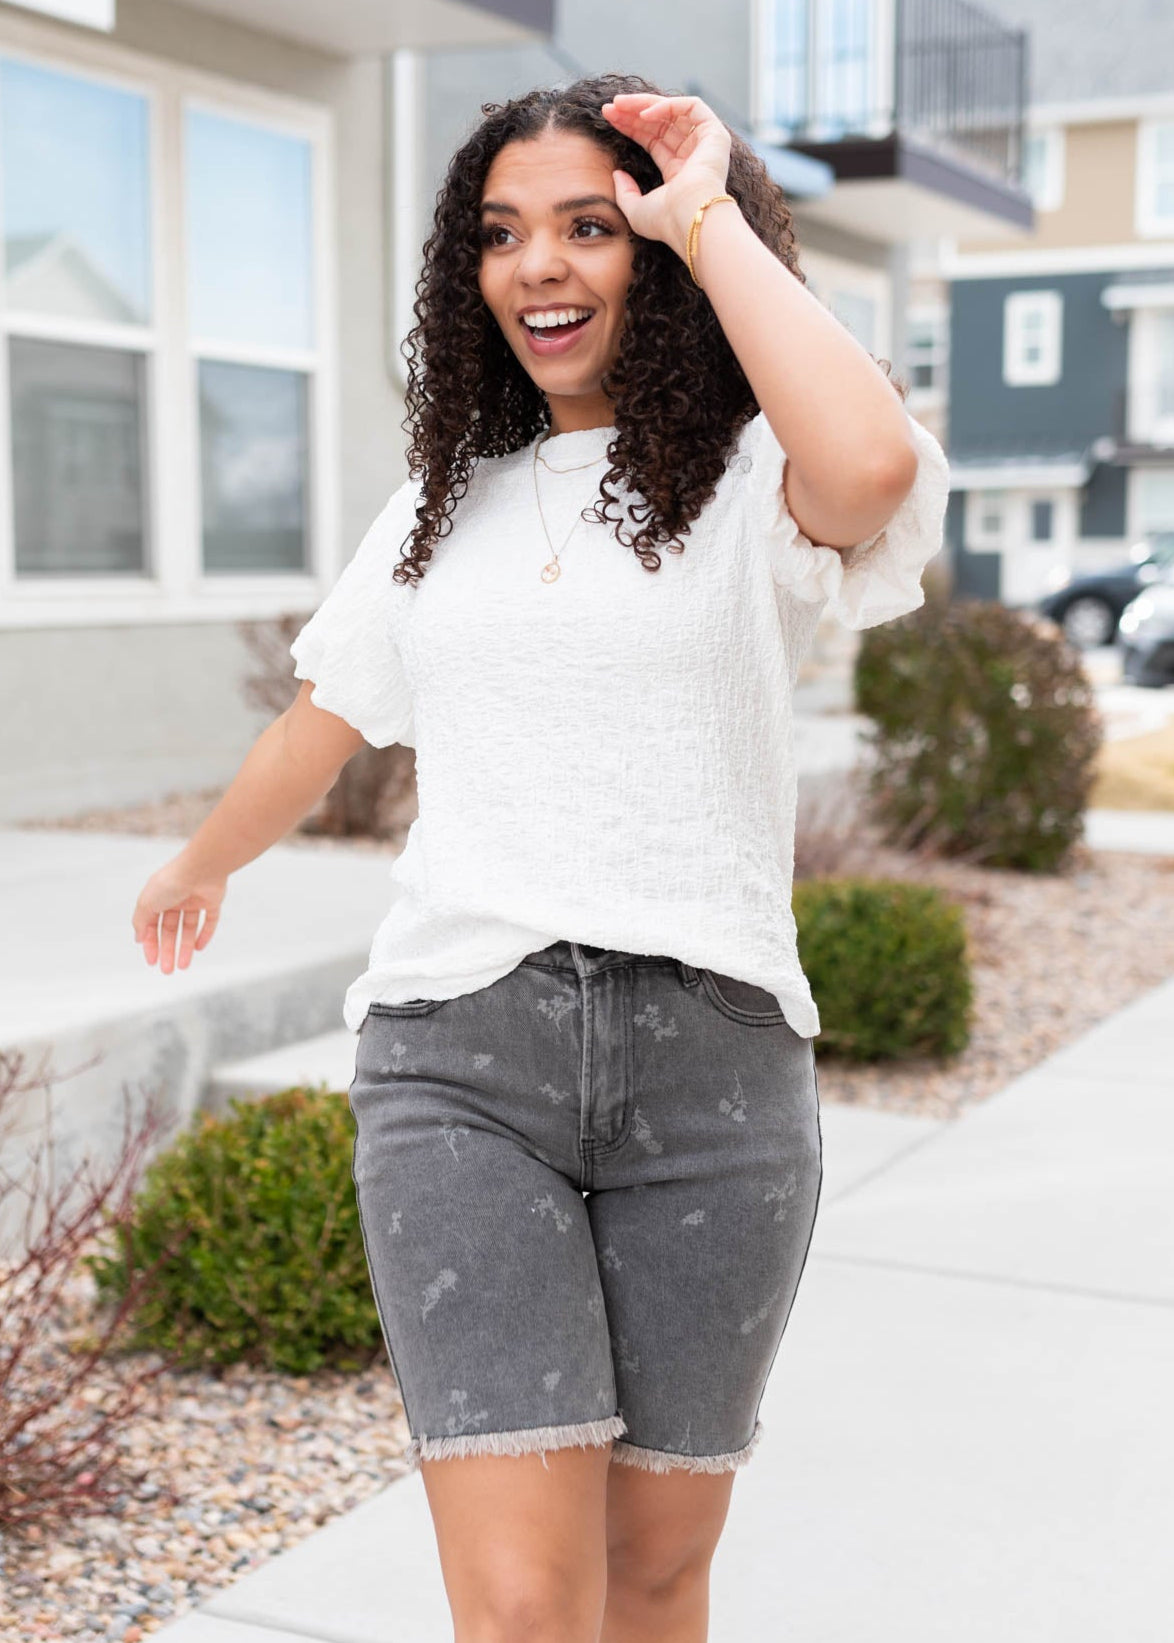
(1089, 607)
(1146, 634)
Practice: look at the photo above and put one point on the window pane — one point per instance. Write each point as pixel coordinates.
(249, 234)
(253, 445)
(1041, 521)
(76, 216)
(78, 466)
(790, 64)
(1164, 364)
(846, 65)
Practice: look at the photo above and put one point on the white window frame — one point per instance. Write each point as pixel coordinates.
(1138, 513)
(1143, 424)
(978, 539)
(1048, 195)
(174, 586)
(1148, 222)
(937, 315)
(1017, 307)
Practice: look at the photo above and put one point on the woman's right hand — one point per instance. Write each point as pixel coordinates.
(176, 895)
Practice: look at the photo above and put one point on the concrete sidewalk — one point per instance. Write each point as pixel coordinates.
(967, 1428)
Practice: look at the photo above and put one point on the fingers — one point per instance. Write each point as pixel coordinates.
(180, 926)
(211, 920)
(669, 127)
(645, 106)
(171, 922)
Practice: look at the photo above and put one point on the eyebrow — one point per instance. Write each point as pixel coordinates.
(563, 205)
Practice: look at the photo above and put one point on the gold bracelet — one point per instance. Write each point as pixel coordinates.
(694, 229)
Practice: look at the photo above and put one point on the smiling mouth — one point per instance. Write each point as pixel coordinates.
(564, 330)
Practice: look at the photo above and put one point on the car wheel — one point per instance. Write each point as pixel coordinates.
(1089, 621)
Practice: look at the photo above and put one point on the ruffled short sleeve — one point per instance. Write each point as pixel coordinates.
(872, 581)
(349, 646)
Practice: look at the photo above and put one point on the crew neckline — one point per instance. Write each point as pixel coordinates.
(577, 444)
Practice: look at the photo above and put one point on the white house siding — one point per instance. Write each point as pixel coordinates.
(104, 714)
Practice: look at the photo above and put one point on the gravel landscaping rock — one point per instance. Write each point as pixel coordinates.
(243, 1464)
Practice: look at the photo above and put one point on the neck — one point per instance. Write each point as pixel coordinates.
(572, 413)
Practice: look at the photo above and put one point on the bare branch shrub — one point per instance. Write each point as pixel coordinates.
(54, 1462)
(375, 794)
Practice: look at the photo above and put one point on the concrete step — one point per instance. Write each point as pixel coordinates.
(101, 1031)
(328, 1058)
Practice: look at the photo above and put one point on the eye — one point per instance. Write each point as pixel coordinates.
(487, 232)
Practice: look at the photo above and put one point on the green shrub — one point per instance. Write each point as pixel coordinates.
(985, 734)
(888, 966)
(273, 1270)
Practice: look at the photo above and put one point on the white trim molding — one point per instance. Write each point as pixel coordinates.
(404, 135)
(1154, 295)
(1032, 473)
(1078, 259)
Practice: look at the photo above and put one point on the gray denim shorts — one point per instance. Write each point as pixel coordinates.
(586, 1194)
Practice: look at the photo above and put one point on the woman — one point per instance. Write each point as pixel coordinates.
(587, 1151)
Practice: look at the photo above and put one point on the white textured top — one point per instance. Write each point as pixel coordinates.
(606, 758)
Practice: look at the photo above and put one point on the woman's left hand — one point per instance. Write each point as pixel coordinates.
(691, 147)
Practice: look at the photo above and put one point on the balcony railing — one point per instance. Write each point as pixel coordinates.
(942, 71)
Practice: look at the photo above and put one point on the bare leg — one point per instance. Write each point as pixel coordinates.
(523, 1547)
(662, 1531)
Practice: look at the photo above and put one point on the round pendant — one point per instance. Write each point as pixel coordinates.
(551, 571)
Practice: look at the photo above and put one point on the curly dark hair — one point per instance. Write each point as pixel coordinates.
(680, 396)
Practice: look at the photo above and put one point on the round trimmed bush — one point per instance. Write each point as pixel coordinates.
(271, 1268)
(888, 965)
(985, 734)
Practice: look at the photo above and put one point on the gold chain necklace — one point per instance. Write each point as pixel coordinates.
(552, 570)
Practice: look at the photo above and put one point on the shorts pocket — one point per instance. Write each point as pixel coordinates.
(411, 1006)
(741, 1000)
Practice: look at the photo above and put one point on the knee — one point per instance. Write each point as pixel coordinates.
(529, 1604)
(658, 1567)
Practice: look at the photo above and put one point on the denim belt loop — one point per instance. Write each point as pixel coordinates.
(689, 975)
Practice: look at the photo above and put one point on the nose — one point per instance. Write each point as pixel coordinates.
(542, 258)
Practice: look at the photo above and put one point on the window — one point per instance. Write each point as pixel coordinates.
(78, 320)
(927, 348)
(165, 362)
(1152, 501)
(986, 518)
(1032, 324)
(1151, 376)
(822, 71)
(1041, 520)
(1043, 167)
(251, 325)
(1154, 205)
(786, 58)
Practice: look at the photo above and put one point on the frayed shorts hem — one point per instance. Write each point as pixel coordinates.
(527, 1441)
(668, 1460)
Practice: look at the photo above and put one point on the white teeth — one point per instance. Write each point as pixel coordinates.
(554, 316)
